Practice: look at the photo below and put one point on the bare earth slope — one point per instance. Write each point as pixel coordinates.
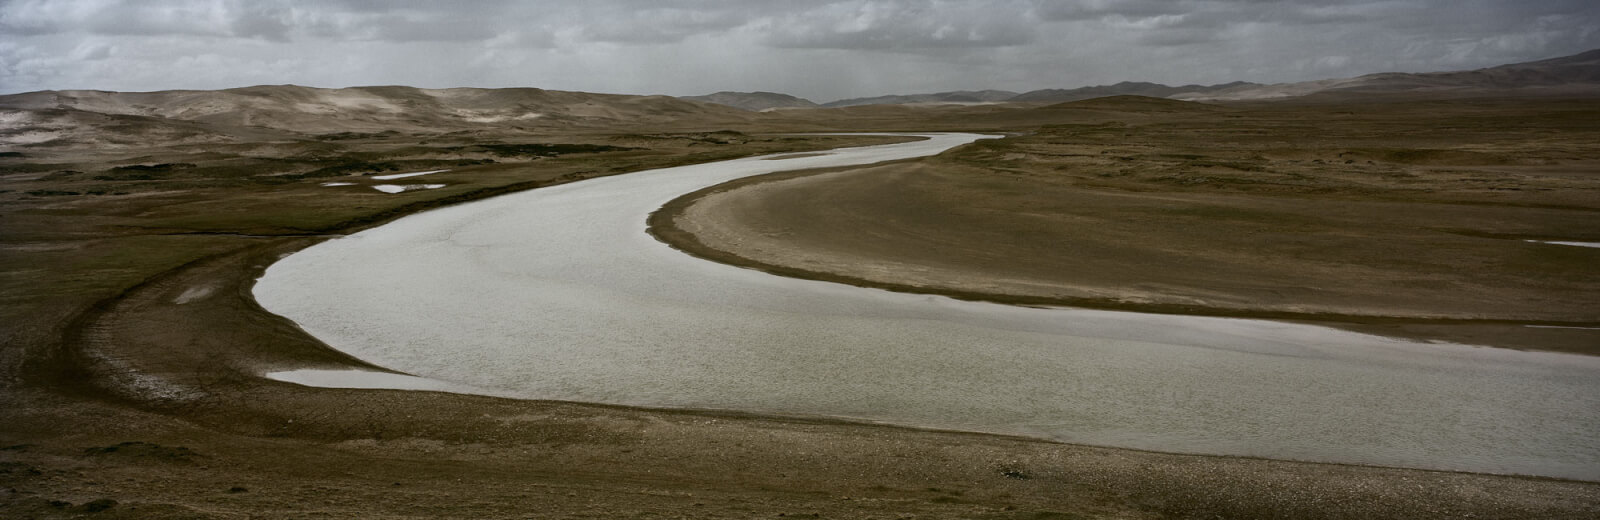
(1366, 215)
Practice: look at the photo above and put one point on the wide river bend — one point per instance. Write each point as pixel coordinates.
(558, 293)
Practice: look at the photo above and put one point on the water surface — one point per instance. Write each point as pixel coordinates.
(559, 293)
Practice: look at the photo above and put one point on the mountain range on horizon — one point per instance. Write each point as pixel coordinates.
(95, 118)
(1578, 70)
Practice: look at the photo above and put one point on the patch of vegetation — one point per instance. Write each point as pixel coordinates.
(1236, 165)
(343, 169)
(659, 137)
(141, 172)
(163, 167)
(128, 177)
(542, 150)
(52, 193)
(1081, 130)
(10, 154)
(346, 136)
(1431, 156)
(30, 167)
(145, 450)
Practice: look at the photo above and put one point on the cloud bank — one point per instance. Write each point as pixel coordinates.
(822, 50)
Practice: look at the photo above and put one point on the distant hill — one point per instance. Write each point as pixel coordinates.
(1579, 73)
(753, 101)
(93, 118)
(1046, 95)
(1135, 88)
(307, 110)
(959, 96)
(1568, 74)
(1133, 103)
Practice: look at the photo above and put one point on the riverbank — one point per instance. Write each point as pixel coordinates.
(1426, 237)
(101, 279)
(589, 308)
(235, 444)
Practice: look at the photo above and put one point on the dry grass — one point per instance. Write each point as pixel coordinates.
(1381, 215)
(121, 402)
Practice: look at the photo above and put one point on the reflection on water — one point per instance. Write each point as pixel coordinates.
(558, 293)
(1566, 243)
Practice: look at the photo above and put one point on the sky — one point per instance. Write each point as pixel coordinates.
(821, 50)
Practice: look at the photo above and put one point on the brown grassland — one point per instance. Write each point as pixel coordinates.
(120, 397)
(1411, 219)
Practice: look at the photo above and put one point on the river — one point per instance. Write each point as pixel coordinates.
(558, 293)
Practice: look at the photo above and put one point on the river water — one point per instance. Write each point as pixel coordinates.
(558, 293)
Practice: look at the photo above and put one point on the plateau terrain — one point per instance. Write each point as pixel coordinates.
(1453, 207)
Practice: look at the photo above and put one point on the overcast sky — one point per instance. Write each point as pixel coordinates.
(822, 50)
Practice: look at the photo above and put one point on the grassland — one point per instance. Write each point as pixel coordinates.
(128, 384)
(1417, 219)
(81, 225)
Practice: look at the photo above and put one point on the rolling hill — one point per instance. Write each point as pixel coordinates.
(955, 97)
(1579, 73)
(1125, 88)
(754, 101)
(46, 115)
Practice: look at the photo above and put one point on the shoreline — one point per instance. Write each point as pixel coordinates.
(248, 263)
(883, 468)
(760, 409)
(663, 225)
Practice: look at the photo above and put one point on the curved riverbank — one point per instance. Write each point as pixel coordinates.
(248, 446)
(797, 224)
(588, 307)
(268, 446)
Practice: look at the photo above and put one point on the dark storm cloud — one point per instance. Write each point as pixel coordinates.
(824, 49)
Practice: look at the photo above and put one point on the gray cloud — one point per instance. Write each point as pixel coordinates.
(656, 25)
(90, 51)
(903, 25)
(825, 49)
(260, 21)
(1095, 10)
(247, 19)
